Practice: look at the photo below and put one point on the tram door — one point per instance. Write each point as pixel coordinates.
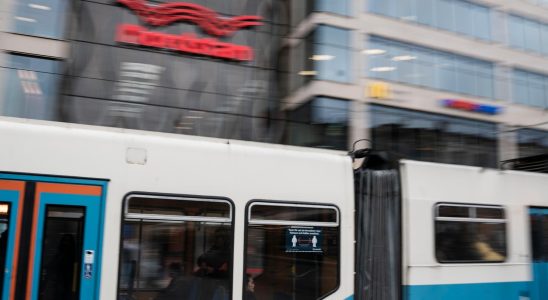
(539, 239)
(49, 240)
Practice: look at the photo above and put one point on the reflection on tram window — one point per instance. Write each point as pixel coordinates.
(176, 248)
(480, 236)
(4, 224)
(286, 260)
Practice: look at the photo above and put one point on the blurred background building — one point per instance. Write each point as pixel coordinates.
(453, 81)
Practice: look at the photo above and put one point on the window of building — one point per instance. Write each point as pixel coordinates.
(470, 233)
(341, 7)
(532, 142)
(176, 248)
(530, 88)
(432, 137)
(292, 250)
(527, 34)
(44, 18)
(331, 54)
(31, 87)
(411, 64)
(457, 16)
(539, 2)
(321, 122)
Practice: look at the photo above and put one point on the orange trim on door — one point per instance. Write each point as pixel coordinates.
(20, 187)
(59, 188)
(12, 185)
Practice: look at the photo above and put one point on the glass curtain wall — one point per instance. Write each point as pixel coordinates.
(539, 2)
(341, 7)
(31, 87)
(321, 122)
(457, 16)
(299, 10)
(530, 88)
(528, 35)
(325, 54)
(432, 137)
(331, 54)
(532, 142)
(411, 64)
(44, 18)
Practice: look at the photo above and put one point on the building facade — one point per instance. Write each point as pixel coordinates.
(451, 81)
(437, 80)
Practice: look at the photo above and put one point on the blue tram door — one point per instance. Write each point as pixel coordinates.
(539, 246)
(11, 195)
(50, 238)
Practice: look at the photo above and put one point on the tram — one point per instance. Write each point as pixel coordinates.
(100, 213)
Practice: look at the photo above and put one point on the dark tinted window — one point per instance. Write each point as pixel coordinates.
(453, 211)
(478, 237)
(179, 207)
(539, 234)
(291, 261)
(293, 213)
(176, 248)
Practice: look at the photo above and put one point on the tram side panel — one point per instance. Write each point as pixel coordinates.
(466, 232)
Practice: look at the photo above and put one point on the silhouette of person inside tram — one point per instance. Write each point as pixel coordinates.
(208, 280)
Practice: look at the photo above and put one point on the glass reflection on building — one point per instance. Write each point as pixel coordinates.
(530, 88)
(457, 16)
(322, 122)
(527, 34)
(411, 64)
(31, 87)
(430, 137)
(44, 18)
(532, 142)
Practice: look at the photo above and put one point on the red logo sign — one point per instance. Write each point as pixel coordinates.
(168, 13)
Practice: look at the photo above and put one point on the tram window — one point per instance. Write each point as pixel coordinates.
(190, 207)
(292, 251)
(176, 248)
(289, 213)
(475, 234)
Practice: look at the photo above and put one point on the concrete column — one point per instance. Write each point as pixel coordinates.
(359, 124)
(507, 142)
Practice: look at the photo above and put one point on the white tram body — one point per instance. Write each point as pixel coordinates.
(155, 163)
(46, 166)
(515, 194)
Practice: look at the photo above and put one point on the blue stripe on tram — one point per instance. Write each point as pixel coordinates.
(470, 291)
